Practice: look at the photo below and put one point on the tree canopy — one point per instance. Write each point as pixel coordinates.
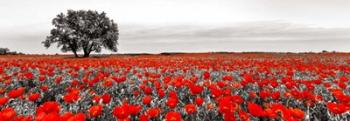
(83, 30)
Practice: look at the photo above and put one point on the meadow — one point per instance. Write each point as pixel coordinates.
(176, 87)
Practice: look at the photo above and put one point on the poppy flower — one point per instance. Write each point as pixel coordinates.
(215, 92)
(96, 99)
(72, 96)
(49, 117)
(199, 101)
(226, 105)
(272, 114)
(243, 116)
(153, 112)
(144, 117)
(147, 90)
(172, 94)
(44, 88)
(172, 102)
(161, 93)
(95, 111)
(65, 116)
(7, 114)
(119, 80)
(275, 95)
(206, 75)
(337, 108)
(134, 109)
(229, 117)
(24, 118)
(106, 98)
(173, 116)
(16, 92)
(108, 83)
(297, 113)
(34, 97)
(227, 78)
(49, 107)
(77, 117)
(29, 76)
(255, 109)
(58, 80)
(121, 112)
(196, 89)
(3, 100)
(147, 100)
(190, 108)
(42, 78)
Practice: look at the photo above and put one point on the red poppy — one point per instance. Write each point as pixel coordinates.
(16, 92)
(72, 96)
(196, 89)
(227, 78)
(66, 116)
(153, 112)
(173, 116)
(24, 118)
(134, 109)
(77, 117)
(49, 107)
(190, 108)
(172, 102)
(144, 117)
(297, 113)
(42, 78)
(243, 116)
(106, 98)
(337, 108)
(275, 95)
(147, 100)
(34, 97)
(49, 117)
(147, 90)
(95, 111)
(7, 114)
(58, 80)
(108, 83)
(255, 110)
(3, 100)
(161, 93)
(216, 92)
(229, 117)
(96, 99)
(44, 88)
(29, 76)
(199, 101)
(121, 112)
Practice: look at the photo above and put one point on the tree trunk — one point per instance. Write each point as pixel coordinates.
(74, 49)
(86, 54)
(75, 54)
(88, 51)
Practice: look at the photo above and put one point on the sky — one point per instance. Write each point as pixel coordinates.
(155, 26)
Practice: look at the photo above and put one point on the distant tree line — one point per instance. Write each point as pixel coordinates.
(6, 51)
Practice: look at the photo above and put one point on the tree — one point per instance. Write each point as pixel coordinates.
(4, 51)
(83, 30)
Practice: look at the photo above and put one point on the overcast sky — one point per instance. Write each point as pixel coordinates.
(154, 26)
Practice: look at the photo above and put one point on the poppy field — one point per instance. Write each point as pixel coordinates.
(179, 87)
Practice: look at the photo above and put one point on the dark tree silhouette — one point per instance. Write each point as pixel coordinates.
(4, 51)
(83, 30)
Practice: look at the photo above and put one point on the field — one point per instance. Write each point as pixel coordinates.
(175, 87)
